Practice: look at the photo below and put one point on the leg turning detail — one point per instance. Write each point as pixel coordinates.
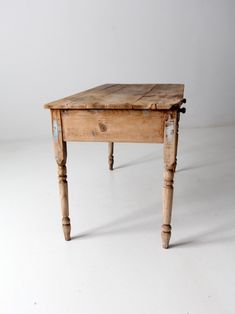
(63, 185)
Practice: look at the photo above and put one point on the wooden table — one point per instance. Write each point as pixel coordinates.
(143, 113)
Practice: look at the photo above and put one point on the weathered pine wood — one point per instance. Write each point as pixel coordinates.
(144, 113)
(143, 126)
(110, 146)
(61, 157)
(170, 151)
(124, 96)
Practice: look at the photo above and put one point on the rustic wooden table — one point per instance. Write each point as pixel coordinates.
(143, 113)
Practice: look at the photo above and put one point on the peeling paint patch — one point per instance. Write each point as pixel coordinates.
(169, 130)
(146, 112)
(55, 130)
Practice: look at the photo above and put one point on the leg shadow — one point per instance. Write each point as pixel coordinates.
(143, 220)
(141, 160)
(219, 234)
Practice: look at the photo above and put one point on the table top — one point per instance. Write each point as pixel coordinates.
(124, 96)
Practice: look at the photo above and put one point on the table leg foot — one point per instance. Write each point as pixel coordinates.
(166, 235)
(111, 156)
(66, 228)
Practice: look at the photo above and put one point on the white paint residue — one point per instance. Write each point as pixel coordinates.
(169, 130)
(55, 130)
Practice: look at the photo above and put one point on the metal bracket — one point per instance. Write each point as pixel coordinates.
(182, 110)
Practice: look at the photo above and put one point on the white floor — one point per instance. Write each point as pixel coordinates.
(115, 263)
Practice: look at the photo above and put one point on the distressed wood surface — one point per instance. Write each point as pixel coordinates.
(82, 117)
(140, 126)
(61, 157)
(124, 96)
(169, 155)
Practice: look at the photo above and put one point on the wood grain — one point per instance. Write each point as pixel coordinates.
(124, 96)
(142, 126)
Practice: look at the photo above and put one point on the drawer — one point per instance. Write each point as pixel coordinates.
(109, 125)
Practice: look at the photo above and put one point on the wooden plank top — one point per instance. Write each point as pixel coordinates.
(124, 96)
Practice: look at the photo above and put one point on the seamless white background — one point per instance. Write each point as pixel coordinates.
(115, 263)
(50, 49)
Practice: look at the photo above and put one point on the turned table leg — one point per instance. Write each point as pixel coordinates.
(170, 151)
(110, 155)
(63, 186)
(61, 157)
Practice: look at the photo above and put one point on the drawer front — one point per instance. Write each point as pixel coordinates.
(140, 126)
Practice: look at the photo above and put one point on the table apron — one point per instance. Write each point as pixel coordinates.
(140, 126)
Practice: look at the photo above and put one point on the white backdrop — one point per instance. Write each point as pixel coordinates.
(50, 49)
